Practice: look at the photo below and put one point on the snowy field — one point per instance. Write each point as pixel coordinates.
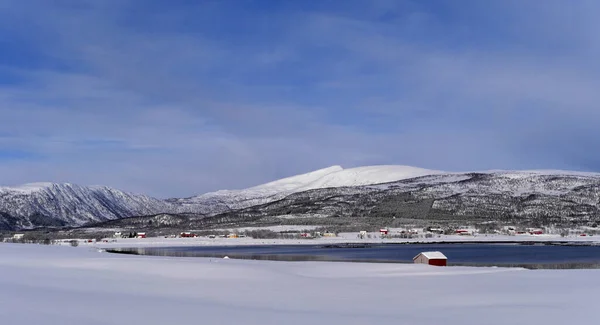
(341, 239)
(65, 285)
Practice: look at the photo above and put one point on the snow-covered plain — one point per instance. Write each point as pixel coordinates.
(57, 285)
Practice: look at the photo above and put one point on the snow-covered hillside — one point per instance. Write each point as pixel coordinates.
(334, 176)
(48, 204)
(513, 197)
(363, 191)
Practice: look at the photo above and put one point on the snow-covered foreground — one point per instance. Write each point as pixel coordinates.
(64, 285)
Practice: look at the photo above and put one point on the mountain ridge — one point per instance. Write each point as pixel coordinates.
(49, 204)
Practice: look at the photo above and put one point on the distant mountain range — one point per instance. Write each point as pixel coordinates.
(371, 195)
(48, 205)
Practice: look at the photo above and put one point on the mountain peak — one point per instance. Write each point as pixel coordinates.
(368, 175)
(293, 182)
(28, 188)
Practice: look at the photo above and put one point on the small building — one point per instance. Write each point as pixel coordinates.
(18, 236)
(232, 236)
(141, 235)
(438, 231)
(463, 232)
(431, 258)
(362, 234)
(305, 235)
(328, 234)
(384, 231)
(187, 234)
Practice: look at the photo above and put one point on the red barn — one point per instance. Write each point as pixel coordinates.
(431, 258)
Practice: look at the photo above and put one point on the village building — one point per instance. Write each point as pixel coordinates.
(431, 258)
(141, 235)
(535, 231)
(438, 231)
(464, 232)
(18, 236)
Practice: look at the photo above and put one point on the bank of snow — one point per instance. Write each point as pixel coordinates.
(56, 285)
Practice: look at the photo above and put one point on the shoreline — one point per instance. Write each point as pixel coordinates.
(344, 239)
(217, 252)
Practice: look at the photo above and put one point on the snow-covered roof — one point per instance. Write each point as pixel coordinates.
(432, 255)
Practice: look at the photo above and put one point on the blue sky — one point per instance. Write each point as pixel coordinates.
(176, 98)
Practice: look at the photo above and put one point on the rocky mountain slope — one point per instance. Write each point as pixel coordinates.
(48, 204)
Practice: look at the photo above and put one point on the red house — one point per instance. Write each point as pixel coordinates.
(462, 232)
(431, 258)
(384, 231)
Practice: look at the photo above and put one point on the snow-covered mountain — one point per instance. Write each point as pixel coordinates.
(532, 198)
(49, 204)
(374, 192)
(335, 176)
